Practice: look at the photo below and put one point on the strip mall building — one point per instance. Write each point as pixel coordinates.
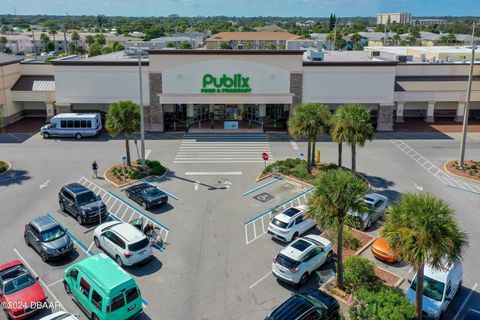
(199, 88)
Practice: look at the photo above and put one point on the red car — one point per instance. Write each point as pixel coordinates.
(20, 291)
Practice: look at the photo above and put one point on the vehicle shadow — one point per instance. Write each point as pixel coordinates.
(66, 260)
(163, 209)
(315, 280)
(149, 268)
(378, 182)
(14, 176)
(458, 302)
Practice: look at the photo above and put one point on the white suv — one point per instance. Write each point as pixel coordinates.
(123, 242)
(439, 288)
(290, 223)
(301, 258)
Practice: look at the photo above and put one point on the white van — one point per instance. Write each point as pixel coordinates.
(69, 125)
(439, 288)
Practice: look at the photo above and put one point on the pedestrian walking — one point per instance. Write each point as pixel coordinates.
(94, 169)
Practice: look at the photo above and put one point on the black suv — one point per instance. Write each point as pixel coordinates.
(146, 195)
(311, 305)
(82, 204)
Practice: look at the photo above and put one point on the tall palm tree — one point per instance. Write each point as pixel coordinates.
(336, 193)
(53, 32)
(309, 120)
(75, 38)
(423, 230)
(123, 117)
(3, 41)
(45, 39)
(351, 123)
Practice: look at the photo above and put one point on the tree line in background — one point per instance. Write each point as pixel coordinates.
(154, 27)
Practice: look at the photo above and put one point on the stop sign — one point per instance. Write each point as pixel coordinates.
(265, 156)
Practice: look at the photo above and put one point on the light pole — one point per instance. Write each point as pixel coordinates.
(142, 117)
(467, 105)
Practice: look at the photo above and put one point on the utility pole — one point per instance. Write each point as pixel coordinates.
(33, 42)
(142, 117)
(466, 112)
(65, 32)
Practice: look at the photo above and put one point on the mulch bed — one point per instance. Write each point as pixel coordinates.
(388, 278)
(119, 180)
(361, 236)
(471, 169)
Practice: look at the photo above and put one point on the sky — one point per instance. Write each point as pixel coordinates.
(247, 8)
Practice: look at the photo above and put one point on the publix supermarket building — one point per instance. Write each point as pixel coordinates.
(237, 88)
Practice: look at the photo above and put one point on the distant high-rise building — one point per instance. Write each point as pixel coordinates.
(394, 17)
(428, 22)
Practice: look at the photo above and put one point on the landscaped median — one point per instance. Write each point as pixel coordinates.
(470, 170)
(121, 175)
(5, 166)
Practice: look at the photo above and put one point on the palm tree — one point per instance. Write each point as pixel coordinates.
(89, 40)
(100, 39)
(396, 37)
(3, 41)
(309, 120)
(53, 32)
(45, 39)
(336, 193)
(423, 230)
(451, 38)
(123, 117)
(75, 37)
(351, 123)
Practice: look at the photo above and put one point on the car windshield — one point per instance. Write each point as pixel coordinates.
(53, 234)
(86, 198)
(142, 244)
(316, 302)
(18, 283)
(432, 289)
(152, 192)
(279, 223)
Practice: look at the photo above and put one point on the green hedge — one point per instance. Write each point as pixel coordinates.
(156, 168)
(3, 166)
(298, 168)
(381, 303)
(359, 272)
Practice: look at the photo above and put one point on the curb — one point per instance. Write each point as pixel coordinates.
(10, 167)
(365, 247)
(258, 179)
(456, 175)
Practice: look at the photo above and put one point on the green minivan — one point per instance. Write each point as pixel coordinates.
(102, 289)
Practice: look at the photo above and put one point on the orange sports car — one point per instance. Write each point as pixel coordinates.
(381, 250)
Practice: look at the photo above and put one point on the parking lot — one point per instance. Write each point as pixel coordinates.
(215, 262)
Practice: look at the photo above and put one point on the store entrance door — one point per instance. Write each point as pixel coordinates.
(227, 112)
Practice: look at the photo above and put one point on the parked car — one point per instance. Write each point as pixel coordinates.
(146, 195)
(20, 290)
(382, 251)
(311, 305)
(439, 288)
(82, 203)
(102, 290)
(123, 242)
(48, 238)
(290, 224)
(378, 205)
(61, 315)
(73, 125)
(472, 314)
(296, 262)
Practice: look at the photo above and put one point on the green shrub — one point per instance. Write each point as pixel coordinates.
(349, 241)
(383, 303)
(156, 168)
(137, 175)
(3, 166)
(359, 272)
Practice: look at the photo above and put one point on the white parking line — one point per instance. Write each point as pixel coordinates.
(147, 153)
(39, 280)
(54, 283)
(294, 145)
(465, 302)
(90, 247)
(260, 280)
(231, 173)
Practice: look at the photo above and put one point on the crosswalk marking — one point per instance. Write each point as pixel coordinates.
(223, 148)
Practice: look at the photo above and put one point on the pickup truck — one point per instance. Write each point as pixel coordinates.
(146, 195)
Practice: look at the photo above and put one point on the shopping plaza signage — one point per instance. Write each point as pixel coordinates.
(236, 83)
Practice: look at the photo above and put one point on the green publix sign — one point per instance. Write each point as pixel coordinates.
(225, 84)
